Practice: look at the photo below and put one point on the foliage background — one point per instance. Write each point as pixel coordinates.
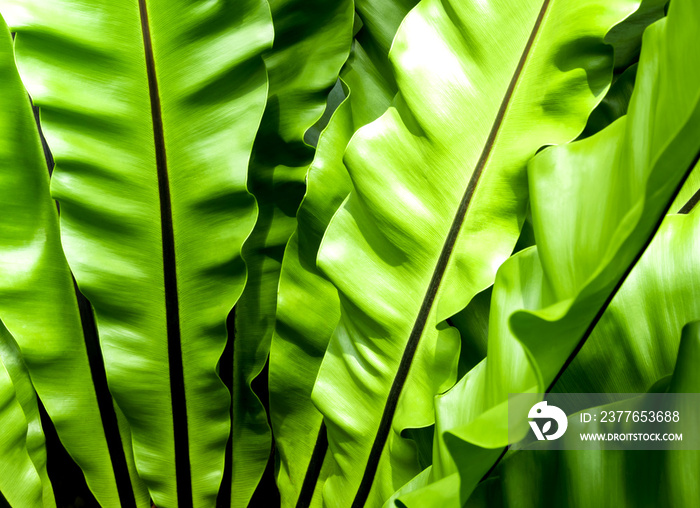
(298, 253)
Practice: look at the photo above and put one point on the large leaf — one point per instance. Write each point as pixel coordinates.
(591, 478)
(308, 307)
(312, 40)
(636, 341)
(24, 479)
(634, 346)
(653, 150)
(472, 322)
(150, 109)
(632, 349)
(596, 205)
(440, 198)
(40, 308)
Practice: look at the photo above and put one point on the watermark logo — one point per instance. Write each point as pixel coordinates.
(541, 411)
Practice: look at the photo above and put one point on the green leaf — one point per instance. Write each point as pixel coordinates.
(312, 41)
(636, 343)
(626, 37)
(589, 478)
(150, 109)
(633, 347)
(308, 307)
(38, 306)
(653, 150)
(596, 205)
(440, 196)
(689, 196)
(615, 103)
(16, 370)
(23, 481)
(473, 326)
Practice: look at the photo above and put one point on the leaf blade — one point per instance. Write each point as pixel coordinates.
(39, 308)
(439, 56)
(312, 40)
(112, 221)
(300, 337)
(549, 298)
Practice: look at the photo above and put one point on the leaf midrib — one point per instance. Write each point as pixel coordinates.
(172, 310)
(438, 274)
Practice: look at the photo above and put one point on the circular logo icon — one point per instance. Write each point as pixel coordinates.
(541, 412)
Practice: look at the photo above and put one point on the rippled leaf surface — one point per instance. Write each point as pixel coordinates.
(308, 307)
(312, 40)
(150, 109)
(440, 196)
(48, 336)
(596, 205)
(636, 347)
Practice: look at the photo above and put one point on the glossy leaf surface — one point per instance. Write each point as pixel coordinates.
(312, 40)
(636, 341)
(583, 479)
(38, 306)
(151, 117)
(633, 349)
(440, 196)
(591, 224)
(24, 479)
(308, 307)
